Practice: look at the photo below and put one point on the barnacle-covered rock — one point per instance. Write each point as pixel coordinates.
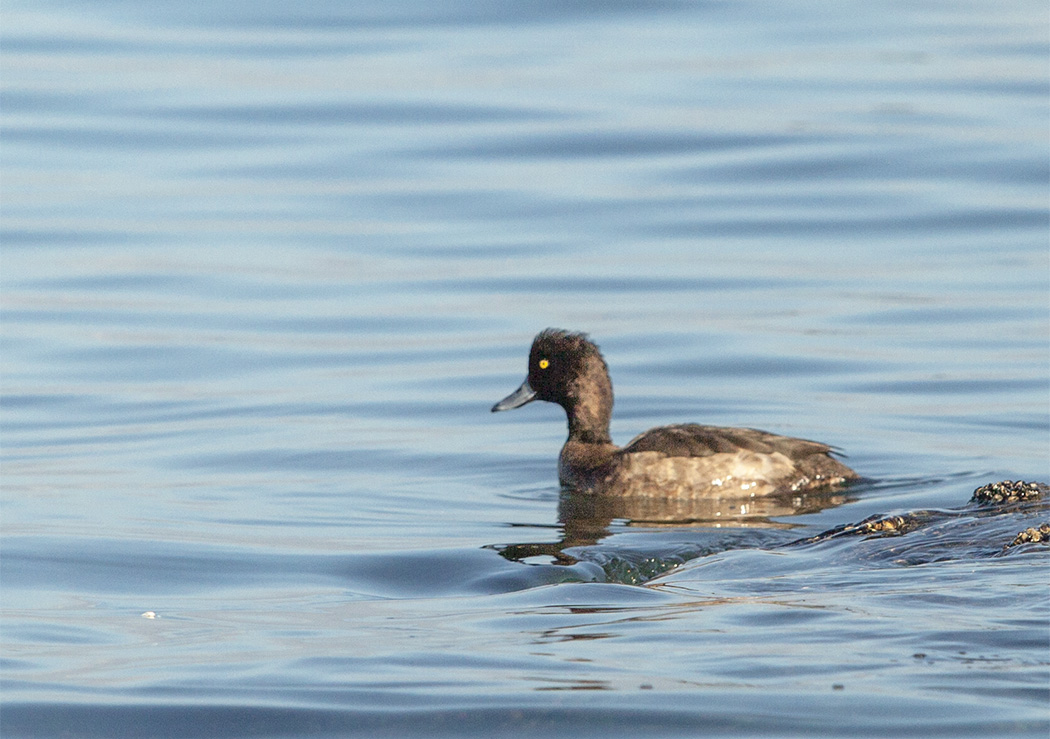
(927, 533)
(1009, 491)
(888, 525)
(875, 526)
(1032, 535)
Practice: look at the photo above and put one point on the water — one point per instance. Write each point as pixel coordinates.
(266, 268)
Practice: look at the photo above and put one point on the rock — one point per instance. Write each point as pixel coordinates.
(1009, 491)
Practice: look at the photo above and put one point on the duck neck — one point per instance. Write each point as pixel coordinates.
(590, 408)
(589, 435)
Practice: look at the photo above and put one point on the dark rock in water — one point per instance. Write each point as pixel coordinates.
(1032, 535)
(1009, 491)
(877, 525)
(978, 524)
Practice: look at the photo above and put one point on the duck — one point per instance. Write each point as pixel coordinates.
(686, 460)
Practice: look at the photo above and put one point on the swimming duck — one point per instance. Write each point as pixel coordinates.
(683, 460)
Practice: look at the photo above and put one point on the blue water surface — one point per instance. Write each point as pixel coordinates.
(266, 267)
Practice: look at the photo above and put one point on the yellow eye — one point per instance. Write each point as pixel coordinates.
(545, 363)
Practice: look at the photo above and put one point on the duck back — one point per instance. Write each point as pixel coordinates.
(693, 460)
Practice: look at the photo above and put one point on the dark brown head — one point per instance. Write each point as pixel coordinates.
(567, 369)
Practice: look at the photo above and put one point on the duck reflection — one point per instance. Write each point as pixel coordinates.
(585, 519)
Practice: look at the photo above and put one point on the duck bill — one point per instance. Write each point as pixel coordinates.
(518, 398)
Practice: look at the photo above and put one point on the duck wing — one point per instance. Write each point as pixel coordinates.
(695, 440)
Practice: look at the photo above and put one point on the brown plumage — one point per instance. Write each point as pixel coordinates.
(684, 460)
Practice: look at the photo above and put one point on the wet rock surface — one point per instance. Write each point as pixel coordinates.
(1009, 491)
(985, 526)
(1032, 535)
